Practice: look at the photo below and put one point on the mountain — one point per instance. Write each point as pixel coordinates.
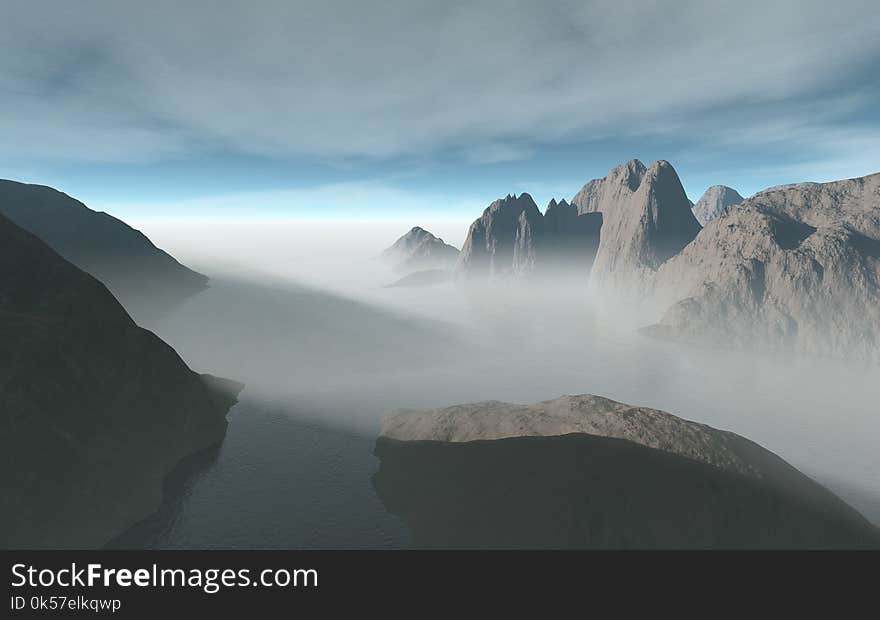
(94, 410)
(572, 238)
(618, 229)
(646, 219)
(144, 278)
(419, 250)
(714, 201)
(512, 238)
(500, 242)
(795, 268)
(588, 472)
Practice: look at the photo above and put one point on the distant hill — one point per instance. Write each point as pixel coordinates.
(143, 277)
(418, 250)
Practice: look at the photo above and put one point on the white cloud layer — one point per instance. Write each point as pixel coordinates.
(124, 81)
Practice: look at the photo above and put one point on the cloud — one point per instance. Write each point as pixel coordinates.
(492, 81)
(495, 153)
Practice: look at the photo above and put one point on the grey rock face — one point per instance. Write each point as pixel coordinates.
(714, 202)
(851, 203)
(646, 219)
(584, 471)
(143, 277)
(584, 413)
(94, 410)
(419, 250)
(793, 268)
(500, 242)
(513, 239)
(572, 238)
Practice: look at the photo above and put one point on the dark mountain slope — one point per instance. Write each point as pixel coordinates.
(144, 278)
(94, 410)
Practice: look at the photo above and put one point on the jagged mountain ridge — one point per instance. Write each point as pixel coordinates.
(617, 229)
(512, 238)
(794, 267)
(646, 219)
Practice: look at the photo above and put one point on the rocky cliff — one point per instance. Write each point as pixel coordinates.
(796, 267)
(571, 239)
(499, 243)
(144, 278)
(419, 250)
(793, 267)
(513, 238)
(646, 219)
(94, 410)
(714, 202)
(588, 472)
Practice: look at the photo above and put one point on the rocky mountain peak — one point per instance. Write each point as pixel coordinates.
(631, 173)
(417, 250)
(714, 202)
(553, 205)
(646, 218)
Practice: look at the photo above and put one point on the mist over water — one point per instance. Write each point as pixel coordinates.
(301, 312)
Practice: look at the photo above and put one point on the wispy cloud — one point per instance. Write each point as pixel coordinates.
(494, 81)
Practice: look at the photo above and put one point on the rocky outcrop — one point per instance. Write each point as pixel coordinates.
(588, 472)
(795, 268)
(646, 219)
(144, 278)
(94, 410)
(513, 238)
(853, 204)
(419, 250)
(714, 202)
(571, 238)
(500, 243)
(618, 229)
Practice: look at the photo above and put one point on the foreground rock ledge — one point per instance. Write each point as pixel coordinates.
(588, 472)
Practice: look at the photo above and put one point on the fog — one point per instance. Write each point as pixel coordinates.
(300, 311)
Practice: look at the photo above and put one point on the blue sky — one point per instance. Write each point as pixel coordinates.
(353, 109)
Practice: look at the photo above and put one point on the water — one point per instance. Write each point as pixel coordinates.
(276, 482)
(322, 364)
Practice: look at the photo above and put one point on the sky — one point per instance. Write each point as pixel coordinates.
(381, 109)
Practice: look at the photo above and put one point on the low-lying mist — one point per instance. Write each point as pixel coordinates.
(301, 312)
